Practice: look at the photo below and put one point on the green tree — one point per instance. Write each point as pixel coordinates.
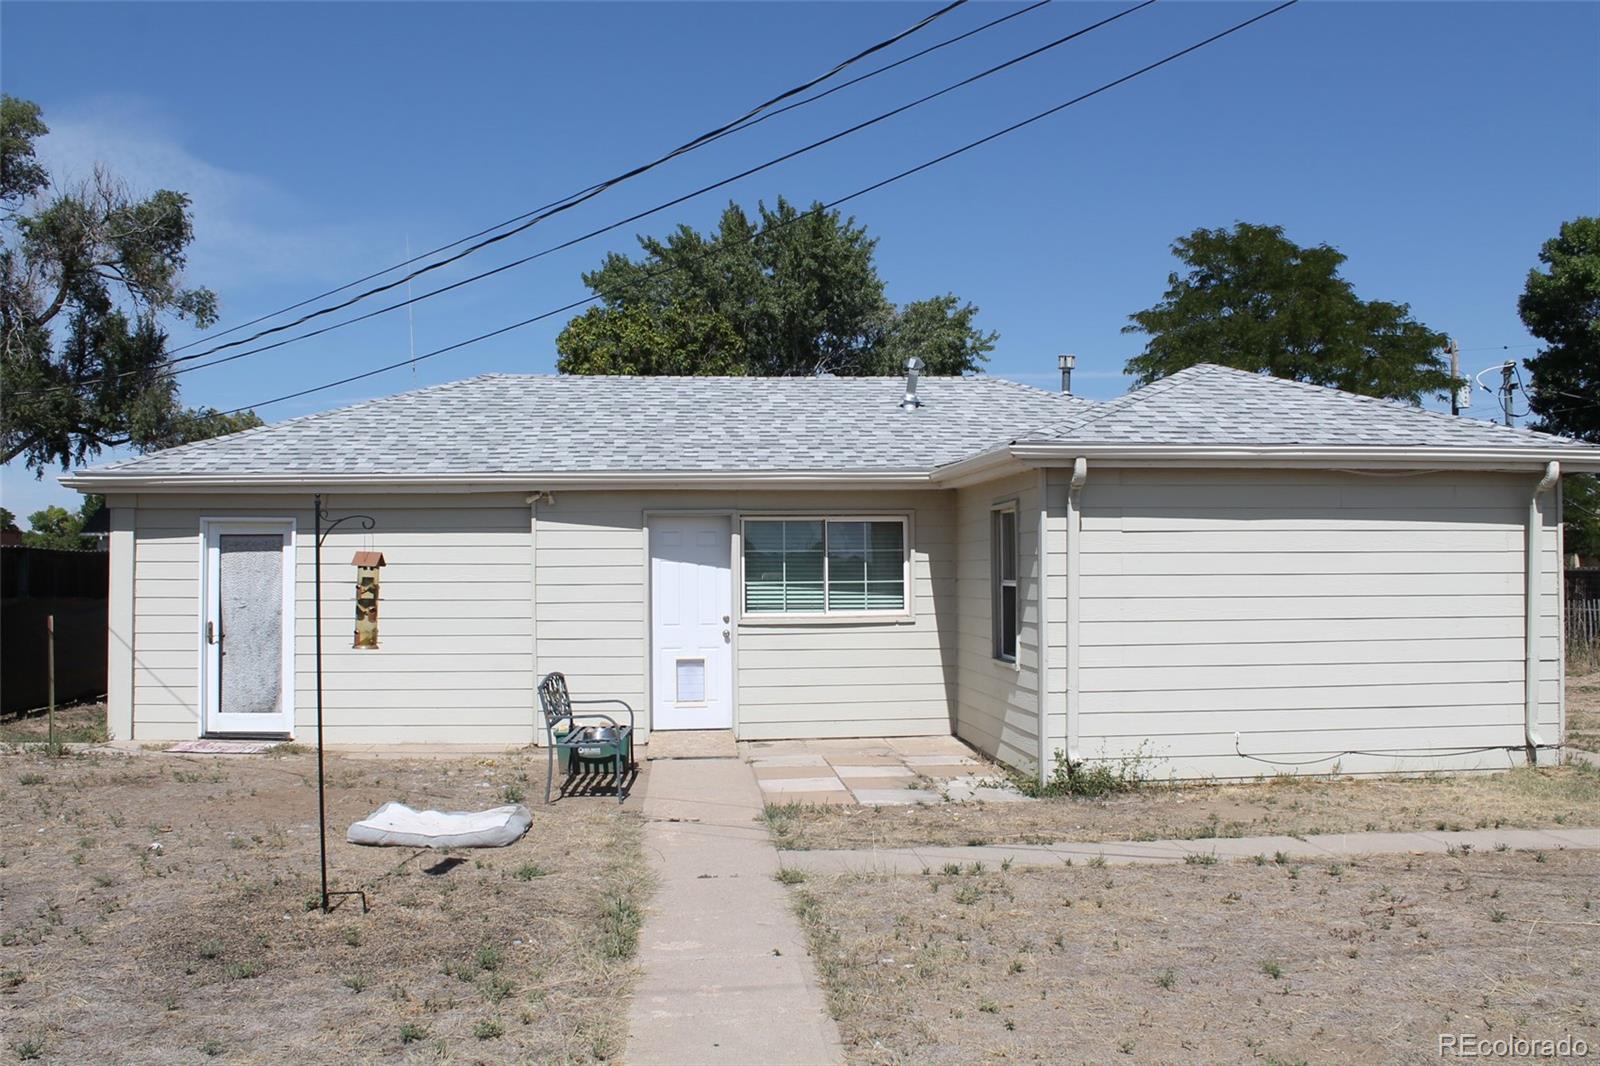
(57, 527)
(1254, 300)
(87, 276)
(8, 521)
(791, 292)
(1560, 305)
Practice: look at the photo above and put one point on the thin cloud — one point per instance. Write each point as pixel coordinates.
(248, 230)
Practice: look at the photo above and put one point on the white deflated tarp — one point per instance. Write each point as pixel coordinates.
(394, 825)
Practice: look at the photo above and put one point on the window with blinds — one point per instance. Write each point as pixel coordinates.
(824, 566)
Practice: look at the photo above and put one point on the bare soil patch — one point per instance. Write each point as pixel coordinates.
(1363, 961)
(81, 723)
(1291, 806)
(160, 908)
(1583, 710)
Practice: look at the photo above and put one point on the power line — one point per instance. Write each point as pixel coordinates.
(935, 161)
(636, 217)
(784, 157)
(739, 125)
(539, 214)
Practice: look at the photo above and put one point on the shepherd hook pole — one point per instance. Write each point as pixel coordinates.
(319, 535)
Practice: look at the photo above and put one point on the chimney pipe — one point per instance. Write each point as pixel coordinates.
(913, 369)
(1066, 363)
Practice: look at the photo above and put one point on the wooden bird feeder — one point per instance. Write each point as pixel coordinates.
(367, 564)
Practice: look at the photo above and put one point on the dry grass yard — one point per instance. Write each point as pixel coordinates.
(161, 908)
(81, 723)
(1285, 961)
(1291, 806)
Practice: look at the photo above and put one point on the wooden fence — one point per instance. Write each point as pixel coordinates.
(39, 583)
(1583, 629)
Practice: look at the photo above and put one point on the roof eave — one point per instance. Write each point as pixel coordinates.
(111, 482)
(985, 466)
(1573, 459)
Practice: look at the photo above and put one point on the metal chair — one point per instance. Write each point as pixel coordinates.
(611, 743)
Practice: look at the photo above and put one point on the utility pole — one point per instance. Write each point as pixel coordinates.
(1455, 372)
(1507, 387)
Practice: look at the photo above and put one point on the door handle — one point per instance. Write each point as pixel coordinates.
(211, 632)
(727, 636)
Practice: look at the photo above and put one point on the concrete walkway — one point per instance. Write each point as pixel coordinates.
(1332, 845)
(726, 977)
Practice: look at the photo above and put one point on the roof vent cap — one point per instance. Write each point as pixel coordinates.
(913, 370)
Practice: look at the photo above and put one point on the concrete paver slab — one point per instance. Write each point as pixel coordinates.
(895, 797)
(886, 768)
(796, 773)
(802, 784)
(801, 759)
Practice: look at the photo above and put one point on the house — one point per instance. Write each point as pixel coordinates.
(1217, 574)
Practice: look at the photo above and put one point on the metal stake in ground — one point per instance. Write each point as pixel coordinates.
(50, 675)
(321, 534)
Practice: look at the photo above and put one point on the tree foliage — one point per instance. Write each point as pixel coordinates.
(1254, 300)
(791, 292)
(88, 274)
(57, 527)
(1560, 305)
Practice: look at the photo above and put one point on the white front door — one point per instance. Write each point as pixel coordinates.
(691, 633)
(247, 634)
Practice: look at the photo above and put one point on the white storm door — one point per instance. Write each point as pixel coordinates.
(247, 628)
(691, 635)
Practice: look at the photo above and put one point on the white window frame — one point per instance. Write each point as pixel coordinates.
(998, 583)
(759, 618)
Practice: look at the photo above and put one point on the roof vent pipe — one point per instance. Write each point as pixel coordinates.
(913, 369)
(1067, 363)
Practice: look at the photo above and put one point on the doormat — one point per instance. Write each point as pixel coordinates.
(221, 747)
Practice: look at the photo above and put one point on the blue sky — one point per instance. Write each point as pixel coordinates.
(1436, 144)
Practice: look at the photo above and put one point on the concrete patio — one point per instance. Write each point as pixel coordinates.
(874, 771)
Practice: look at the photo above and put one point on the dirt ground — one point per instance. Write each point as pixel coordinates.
(1583, 711)
(1568, 795)
(162, 908)
(81, 723)
(1314, 962)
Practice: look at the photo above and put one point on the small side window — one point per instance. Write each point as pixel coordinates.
(1003, 560)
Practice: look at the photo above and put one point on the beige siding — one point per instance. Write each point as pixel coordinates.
(454, 663)
(835, 679)
(1313, 613)
(997, 703)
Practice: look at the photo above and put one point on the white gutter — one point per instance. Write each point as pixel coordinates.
(980, 467)
(1577, 458)
(1534, 571)
(977, 468)
(1041, 543)
(1080, 474)
(110, 482)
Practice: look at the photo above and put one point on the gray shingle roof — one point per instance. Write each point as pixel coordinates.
(514, 424)
(1215, 405)
(505, 424)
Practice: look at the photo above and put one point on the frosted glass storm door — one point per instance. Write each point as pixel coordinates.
(247, 637)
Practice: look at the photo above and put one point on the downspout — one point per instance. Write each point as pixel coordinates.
(1534, 571)
(1080, 474)
(534, 499)
(1042, 593)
